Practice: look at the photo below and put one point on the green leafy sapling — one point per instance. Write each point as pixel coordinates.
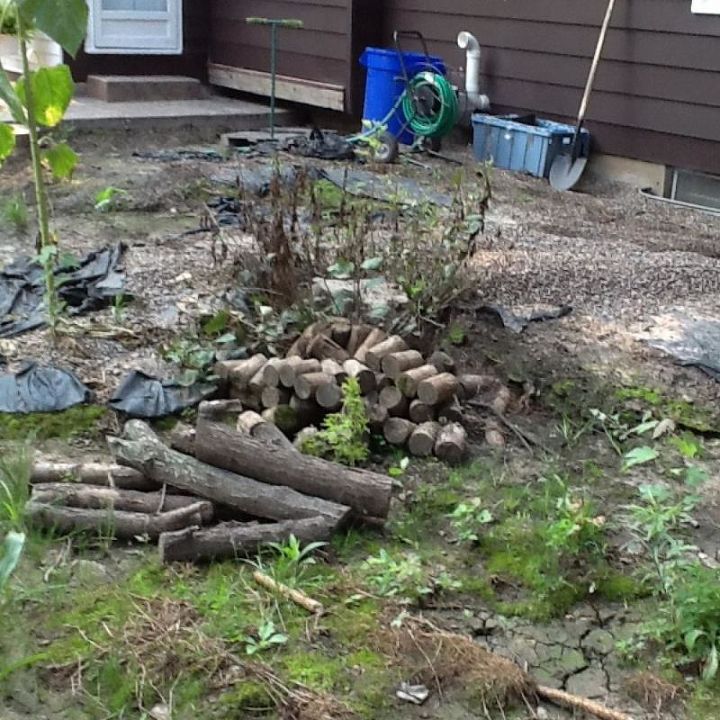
(344, 436)
(37, 101)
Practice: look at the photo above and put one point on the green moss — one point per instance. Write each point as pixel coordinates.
(351, 625)
(314, 669)
(114, 686)
(248, 696)
(613, 586)
(77, 420)
(704, 701)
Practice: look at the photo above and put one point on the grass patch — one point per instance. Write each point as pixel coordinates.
(78, 420)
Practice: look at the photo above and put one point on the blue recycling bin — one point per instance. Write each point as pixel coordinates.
(385, 84)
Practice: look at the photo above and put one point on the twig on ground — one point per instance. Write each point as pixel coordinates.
(297, 596)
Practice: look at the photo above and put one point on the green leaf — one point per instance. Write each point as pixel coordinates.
(341, 270)
(62, 160)
(639, 456)
(10, 97)
(7, 141)
(12, 549)
(711, 666)
(373, 263)
(52, 90)
(65, 21)
(691, 638)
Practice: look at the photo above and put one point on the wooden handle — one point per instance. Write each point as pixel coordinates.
(595, 63)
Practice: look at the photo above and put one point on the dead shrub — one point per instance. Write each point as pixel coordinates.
(652, 692)
(442, 659)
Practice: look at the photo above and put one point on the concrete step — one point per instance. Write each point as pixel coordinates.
(144, 88)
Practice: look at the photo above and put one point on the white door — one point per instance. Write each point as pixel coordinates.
(135, 27)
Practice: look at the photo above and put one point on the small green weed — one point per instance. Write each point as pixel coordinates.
(344, 437)
(467, 519)
(291, 561)
(266, 638)
(15, 213)
(688, 620)
(405, 578)
(15, 472)
(109, 199)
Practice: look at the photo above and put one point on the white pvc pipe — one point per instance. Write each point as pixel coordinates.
(476, 99)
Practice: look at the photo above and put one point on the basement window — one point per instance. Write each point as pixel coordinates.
(706, 7)
(695, 188)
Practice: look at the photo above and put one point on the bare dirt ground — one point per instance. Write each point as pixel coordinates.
(618, 259)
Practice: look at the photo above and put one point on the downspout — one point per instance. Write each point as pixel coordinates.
(475, 99)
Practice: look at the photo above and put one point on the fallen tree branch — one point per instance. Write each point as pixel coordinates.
(92, 473)
(564, 699)
(299, 598)
(118, 523)
(142, 449)
(367, 493)
(93, 497)
(232, 539)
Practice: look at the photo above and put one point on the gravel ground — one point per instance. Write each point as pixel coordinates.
(617, 258)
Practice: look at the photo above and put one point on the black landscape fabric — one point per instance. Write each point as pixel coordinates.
(37, 388)
(89, 284)
(144, 396)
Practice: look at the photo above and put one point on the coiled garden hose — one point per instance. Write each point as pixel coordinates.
(430, 105)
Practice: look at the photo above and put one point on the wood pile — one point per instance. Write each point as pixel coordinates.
(414, 401)
(237, 480)
(220, 491)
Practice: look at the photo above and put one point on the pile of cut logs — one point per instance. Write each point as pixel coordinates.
(218, 491)
(414, 401)
(238, 481)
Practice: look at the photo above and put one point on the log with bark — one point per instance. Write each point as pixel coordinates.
(367, 493)
(419, 412)
(451, 443)
(182, 438)
(221, 409)
(438, 389)
(118, 523)
(292, 368)
(91, 473)
(374, 337)
(395, 364)
(421, 442)
(442, 361)
(375, 355)
(396, 403)
(329, 397)
(376, 415)
(272, 396)
(271, 372)
(93, 497)
(334, 368)
(358, 333)
(322, 347)
(363, 374)
(257, 427)
(142, 449)
(232, 539)
(397, 430)
(408, 381)
(307, 385)
(242, 373)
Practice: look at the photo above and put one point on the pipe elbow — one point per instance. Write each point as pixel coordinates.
(468, 42)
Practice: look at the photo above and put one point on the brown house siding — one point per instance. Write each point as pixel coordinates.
(326, 50)
(192, 62)
(657, 93)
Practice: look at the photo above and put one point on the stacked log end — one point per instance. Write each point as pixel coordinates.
(406, 393)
